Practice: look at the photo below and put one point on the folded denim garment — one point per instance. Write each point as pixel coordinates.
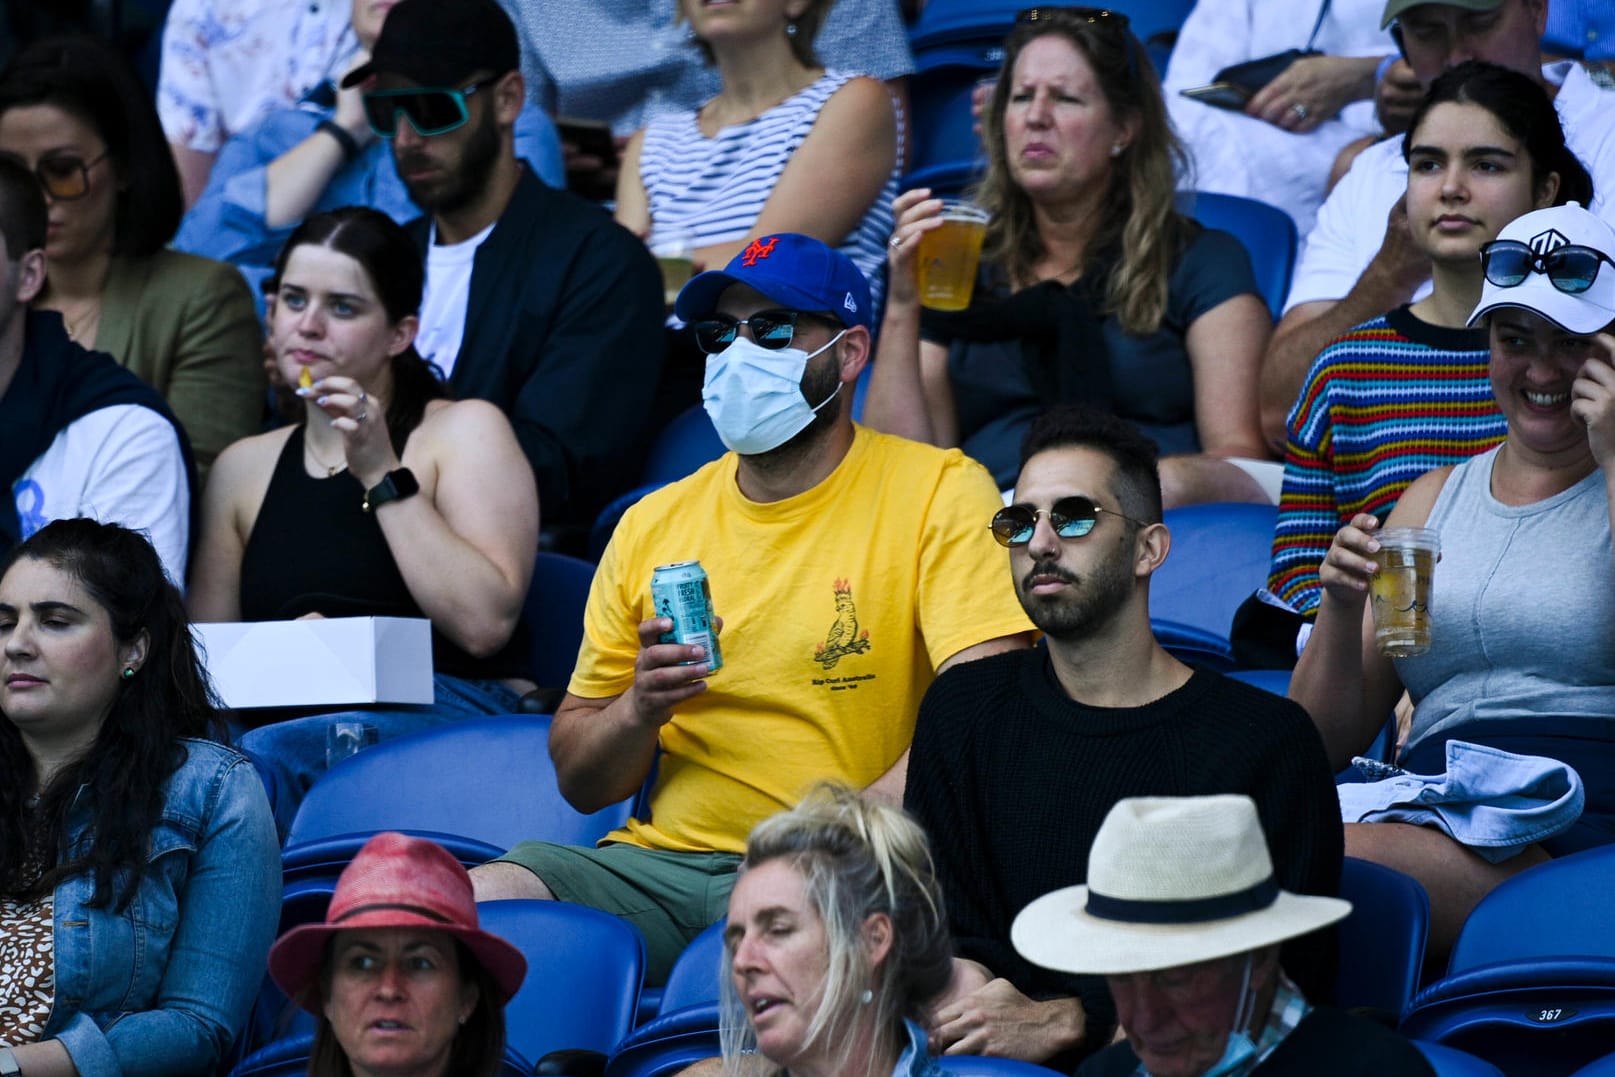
(1492, 801)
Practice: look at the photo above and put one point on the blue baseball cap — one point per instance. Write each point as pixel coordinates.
(795, 271)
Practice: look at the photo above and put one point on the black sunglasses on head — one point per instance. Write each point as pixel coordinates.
(1071, 517)
(771, 329)
(431, 110)
(1571, 268)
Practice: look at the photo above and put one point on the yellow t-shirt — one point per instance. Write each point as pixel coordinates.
(837, 604)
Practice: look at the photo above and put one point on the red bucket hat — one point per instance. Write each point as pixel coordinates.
(395, 881)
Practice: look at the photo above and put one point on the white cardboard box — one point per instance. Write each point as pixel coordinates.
(319, 662)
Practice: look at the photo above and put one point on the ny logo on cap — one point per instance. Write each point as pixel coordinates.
(1551, 240)
(758, 249)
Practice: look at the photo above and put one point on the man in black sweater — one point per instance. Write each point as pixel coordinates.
(1017, 758)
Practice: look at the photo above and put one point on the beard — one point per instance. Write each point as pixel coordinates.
(820, 381)
(463, 182)
(1087, 604)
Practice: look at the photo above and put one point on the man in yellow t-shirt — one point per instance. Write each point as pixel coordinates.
(849, 568)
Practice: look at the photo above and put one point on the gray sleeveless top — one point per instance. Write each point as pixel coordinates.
(1523, 608)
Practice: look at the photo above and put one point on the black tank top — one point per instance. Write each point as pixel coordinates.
(313, 549)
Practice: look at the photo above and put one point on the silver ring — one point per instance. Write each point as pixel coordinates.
(1301, 111)
(362, 397)
(360, 417)
(895, 242)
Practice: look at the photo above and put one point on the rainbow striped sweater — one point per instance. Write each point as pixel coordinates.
(1382, 404)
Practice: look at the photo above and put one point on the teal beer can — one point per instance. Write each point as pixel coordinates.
(680, 591)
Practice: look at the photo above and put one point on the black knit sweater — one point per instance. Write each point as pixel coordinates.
(1011, 778)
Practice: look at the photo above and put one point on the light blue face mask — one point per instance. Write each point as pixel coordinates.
(754, 395)
(1240, 1050)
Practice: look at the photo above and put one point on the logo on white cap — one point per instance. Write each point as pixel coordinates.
(1551, 240)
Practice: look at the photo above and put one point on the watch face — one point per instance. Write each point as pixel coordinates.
(403, 483)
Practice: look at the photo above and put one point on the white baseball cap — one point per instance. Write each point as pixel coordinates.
(1545, 231)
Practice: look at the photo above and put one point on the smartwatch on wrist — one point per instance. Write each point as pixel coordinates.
(394, 486)
(8, 1063)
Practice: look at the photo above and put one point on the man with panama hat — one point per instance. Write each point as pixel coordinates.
(1183, 917)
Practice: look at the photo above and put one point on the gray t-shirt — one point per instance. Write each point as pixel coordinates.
(625, 61)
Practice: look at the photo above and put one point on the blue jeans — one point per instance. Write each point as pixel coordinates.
(290, 755)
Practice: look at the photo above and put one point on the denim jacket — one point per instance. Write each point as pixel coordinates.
(162, 986)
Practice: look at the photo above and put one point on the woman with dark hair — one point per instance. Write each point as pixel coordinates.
(73, 111)
(400, 975)
(1094, 289)
(836, 943)
(139, 871)
(1408, 391)
(386, 500)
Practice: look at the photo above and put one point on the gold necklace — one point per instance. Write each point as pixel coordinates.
(331, 472)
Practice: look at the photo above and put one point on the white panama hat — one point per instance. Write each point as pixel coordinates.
(1544, 231)
(1171, 881)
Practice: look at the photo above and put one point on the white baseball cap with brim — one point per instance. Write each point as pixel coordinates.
(1171, 881)
(1545, 231)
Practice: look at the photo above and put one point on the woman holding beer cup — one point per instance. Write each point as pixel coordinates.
(1521, 606)
(1093, 287)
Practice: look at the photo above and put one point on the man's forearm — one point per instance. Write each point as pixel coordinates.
(601, 754)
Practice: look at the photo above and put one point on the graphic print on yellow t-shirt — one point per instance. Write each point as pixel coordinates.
(844, 637)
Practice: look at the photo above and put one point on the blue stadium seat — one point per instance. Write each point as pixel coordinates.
(683, 447)
(1382, 941)
(1531, 983)
(1267, 232)
(975, 1066)
(488, 781)
(289, 1057)
(970, 33)
(585, 969)
(554, 615)
(1219, 557)
(1448, 1062)
(688, 1002)
(1604, 1067)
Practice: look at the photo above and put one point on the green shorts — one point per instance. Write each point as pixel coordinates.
(670, 897)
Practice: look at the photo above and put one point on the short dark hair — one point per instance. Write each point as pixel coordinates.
(1137, 483)
(22, 209)
(1523, 108)
(92, 81)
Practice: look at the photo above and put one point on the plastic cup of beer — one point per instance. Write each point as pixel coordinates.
(1400, 590)
(673, 249)
(948, 255)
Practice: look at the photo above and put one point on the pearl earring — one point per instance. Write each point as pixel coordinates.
(1116, 149)
(867, 997)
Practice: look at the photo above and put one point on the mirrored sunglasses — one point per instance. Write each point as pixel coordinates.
(430, 110)
(771, 329)
(1071, 517)
(1572, 269)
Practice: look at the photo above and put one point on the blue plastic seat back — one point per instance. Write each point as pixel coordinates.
(606, 522)
(972, 31)
(485, 779)
(946, 150)
(585, 969)
(684, 446)
(1382, 941)
(1450, 1062)
(1603, 1067)
(1267, 232)
(554, 615)
(1219, 557)
(1557, 909)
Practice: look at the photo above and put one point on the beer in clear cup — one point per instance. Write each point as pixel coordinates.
(673, 249)
(1400, 590)
(946, 270)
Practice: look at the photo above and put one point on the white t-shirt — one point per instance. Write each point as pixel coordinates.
(443, 303)
(1351, 223)
(120, 464)
(1233, 153)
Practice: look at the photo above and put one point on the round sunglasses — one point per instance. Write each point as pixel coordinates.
(1572, 268)
(1071, 517)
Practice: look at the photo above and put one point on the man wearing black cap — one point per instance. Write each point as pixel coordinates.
(535, 299)
(848, 566)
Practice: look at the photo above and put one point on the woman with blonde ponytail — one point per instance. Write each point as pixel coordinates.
(836, 943)
(1093, 288)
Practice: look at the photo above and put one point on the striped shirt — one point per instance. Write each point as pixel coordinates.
(1382, 404)
(713, 189)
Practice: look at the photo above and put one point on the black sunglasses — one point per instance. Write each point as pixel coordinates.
(1097, 15)
(1571, 269)
(771, 329)
(1071, 517)
(431, 111)
(65, 177)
